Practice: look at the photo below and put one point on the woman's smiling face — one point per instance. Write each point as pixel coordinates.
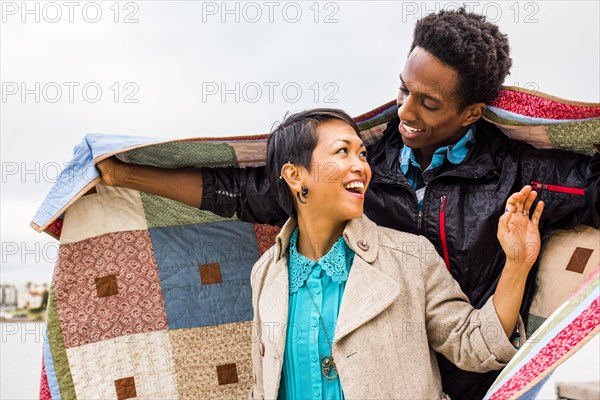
(339, 174)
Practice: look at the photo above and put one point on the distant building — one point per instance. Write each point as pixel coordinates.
(30, 295)
(8, 295)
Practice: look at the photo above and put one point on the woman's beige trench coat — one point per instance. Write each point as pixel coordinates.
(400, 305)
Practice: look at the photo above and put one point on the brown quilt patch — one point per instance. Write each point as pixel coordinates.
(125, 388)
(227, 374)
(210, 274)
(107, 286)
(579, 259)
(86, 317)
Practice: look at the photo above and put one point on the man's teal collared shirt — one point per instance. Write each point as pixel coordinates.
(455, 154)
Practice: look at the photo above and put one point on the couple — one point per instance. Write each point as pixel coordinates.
(344, 308)
(439, 171)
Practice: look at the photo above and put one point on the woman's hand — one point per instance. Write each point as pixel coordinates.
(520, 240)
(518, 234)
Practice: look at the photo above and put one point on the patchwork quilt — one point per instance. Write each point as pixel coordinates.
(570, 326)
(152, 299)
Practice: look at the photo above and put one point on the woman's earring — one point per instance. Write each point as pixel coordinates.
(304, 194)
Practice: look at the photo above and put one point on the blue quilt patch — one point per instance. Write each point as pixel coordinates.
(205, 272)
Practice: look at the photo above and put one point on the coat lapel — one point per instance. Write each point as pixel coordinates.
(274, 297)
(368, 293)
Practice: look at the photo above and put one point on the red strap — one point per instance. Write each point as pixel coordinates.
(443, 231)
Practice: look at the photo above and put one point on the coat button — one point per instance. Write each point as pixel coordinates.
(261, 349)
(364, 246)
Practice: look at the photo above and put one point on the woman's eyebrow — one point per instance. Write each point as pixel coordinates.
(349, 143)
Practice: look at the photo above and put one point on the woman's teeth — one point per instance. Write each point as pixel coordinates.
(355, 187)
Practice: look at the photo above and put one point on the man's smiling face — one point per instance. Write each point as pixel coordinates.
(429, 107)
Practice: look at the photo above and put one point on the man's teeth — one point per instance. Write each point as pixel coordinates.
(408, 128)
(355, 185)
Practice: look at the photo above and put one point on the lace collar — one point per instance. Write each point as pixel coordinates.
(335, 263)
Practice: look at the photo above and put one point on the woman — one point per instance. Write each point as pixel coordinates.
(346, 309)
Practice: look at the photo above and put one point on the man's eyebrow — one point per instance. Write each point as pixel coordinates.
(421, 94)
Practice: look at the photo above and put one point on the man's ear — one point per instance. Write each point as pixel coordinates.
(473, 113)
(292, 174)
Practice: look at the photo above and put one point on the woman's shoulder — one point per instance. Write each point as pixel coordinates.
(388, 237)
(399, 241)
(262, 264)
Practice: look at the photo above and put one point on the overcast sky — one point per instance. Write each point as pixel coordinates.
(190, 68)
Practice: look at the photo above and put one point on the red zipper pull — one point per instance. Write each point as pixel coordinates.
(557, 188)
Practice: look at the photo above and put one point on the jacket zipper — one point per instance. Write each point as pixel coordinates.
(443, 231)
(419, 219)
(557, 188)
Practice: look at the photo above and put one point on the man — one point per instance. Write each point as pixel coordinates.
(439, 170)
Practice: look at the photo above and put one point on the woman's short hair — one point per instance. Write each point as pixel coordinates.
(294, 140)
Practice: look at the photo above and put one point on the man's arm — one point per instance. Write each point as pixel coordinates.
(181, 184)
(244, 192)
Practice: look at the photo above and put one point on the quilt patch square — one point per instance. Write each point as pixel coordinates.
(265, 236)
(139, 365)
(110, 209)
(250, 153)
(568, 258)
(214, 361)
(161, 211)
(201, 296)
(579, 259)
(129, 303)
(107, 286)
(210, 274)
(227, 374)
(125, 388)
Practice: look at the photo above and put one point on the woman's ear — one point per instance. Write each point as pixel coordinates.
(292, 174)
(473, 113)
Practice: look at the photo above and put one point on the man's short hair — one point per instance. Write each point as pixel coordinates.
(475, 48)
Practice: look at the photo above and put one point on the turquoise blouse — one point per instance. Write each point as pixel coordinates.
(301, 377)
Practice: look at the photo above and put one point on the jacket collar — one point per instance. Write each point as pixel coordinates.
(360, 235)
(383, 155)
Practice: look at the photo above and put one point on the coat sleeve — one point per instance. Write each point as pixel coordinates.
(242, 191)
(473, 339)
(569, 184)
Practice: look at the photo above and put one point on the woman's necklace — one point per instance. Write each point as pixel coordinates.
(328, 367)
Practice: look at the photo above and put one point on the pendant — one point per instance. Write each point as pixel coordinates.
(327, 366)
